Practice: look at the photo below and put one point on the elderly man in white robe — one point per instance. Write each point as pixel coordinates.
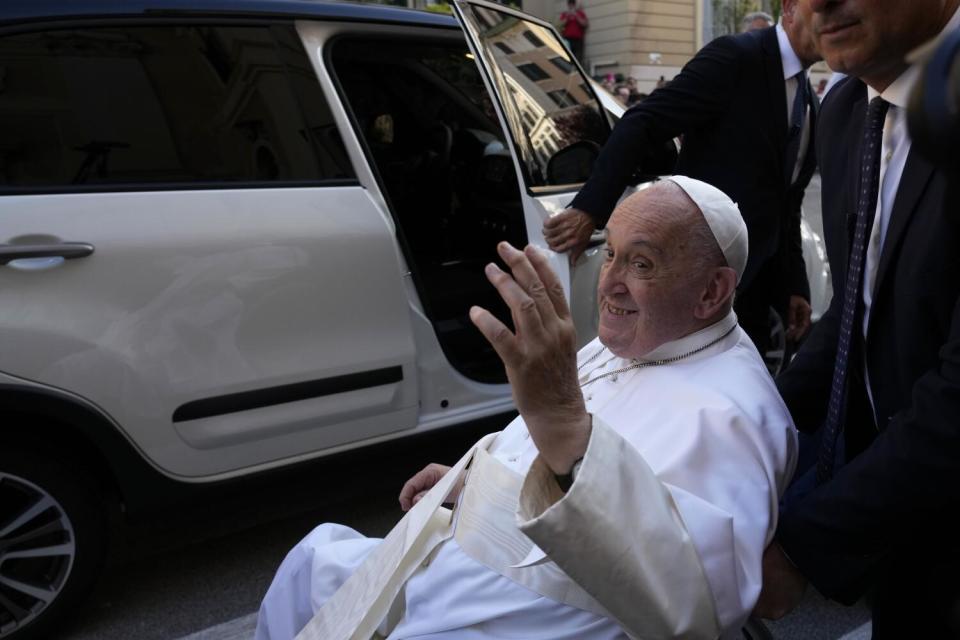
(632, 497)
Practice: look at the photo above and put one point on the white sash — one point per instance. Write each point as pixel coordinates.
(486, 529)
(357, 608)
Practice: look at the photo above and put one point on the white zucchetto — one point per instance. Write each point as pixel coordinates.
(722, 216)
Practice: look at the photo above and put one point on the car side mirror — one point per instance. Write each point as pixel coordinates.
(572, 164)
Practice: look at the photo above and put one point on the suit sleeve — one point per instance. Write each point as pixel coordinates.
(904, 483)
(698, 95)
(805, 384)
(796, 267)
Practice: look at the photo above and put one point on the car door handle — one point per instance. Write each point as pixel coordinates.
(65, 250)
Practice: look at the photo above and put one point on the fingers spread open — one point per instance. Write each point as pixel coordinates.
(551, 283)
(526, 314)
(497, 334)
(529, 280)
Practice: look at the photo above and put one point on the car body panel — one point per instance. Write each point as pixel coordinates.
(213, 293)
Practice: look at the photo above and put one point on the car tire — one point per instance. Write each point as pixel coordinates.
(53, 539)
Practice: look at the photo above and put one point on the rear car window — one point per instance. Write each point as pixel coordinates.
(147, 105)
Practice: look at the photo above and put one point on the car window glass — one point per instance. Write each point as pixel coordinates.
(546, 102)
(171, 104)
(434, 140)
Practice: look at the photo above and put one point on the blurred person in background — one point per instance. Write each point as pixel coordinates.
(573, 28)
(756, 20)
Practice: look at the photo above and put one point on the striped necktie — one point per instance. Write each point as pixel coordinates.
(852, 298)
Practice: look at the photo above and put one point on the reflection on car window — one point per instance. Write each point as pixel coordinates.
(169, 104)
(548, 105)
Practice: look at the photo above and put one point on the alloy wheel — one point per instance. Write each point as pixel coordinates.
(37, 551)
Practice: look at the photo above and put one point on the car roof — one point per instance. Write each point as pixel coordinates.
(20, 11)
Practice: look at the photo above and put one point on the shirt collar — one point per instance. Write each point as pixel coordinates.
(693, 341)
(791, 63)
(898, 92)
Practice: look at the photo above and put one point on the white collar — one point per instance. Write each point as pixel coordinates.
(898, 92)
(791, 63)
(693, 341)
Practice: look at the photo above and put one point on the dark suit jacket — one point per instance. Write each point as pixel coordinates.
(729, 103)
(896, 500)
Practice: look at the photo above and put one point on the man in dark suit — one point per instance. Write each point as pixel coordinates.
(881, 370)
(746, 112)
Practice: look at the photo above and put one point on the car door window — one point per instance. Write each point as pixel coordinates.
(433, 137)
(547, 104)
(100, 107)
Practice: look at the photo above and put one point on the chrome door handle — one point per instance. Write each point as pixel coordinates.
(65, 250)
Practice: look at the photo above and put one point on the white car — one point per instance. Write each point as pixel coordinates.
(236, 235)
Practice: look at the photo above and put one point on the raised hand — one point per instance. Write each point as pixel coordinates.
(541, 358)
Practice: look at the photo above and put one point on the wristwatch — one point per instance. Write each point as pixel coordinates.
(566, 480)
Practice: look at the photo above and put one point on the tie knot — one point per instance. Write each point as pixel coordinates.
(877, 112)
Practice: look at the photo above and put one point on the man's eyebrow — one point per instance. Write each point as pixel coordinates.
(640, 242)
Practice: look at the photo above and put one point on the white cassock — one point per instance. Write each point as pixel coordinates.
(663, 529)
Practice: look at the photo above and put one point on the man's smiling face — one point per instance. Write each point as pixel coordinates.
(651, 280)
(870, 38)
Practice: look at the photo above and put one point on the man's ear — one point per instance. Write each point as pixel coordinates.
(717, 294)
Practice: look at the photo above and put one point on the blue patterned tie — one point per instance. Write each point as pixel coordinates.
(866, 206)
(797, 118)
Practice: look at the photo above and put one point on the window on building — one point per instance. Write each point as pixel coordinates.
(533, 71)
(178, 104)
(560, 63)
(563, 98)
(533, 39)
(503, 47)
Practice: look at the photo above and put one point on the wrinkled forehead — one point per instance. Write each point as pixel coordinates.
(663, 209)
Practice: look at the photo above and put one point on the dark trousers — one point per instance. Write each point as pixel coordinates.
(918, 596)
(576, 47)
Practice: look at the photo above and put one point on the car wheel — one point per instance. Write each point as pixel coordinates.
(775, 355)
(52, 541)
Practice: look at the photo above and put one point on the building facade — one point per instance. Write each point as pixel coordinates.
(645, 39)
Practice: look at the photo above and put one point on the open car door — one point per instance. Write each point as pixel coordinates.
(556, 125)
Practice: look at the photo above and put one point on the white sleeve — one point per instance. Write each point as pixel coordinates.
(619, 535)
(671, 552)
